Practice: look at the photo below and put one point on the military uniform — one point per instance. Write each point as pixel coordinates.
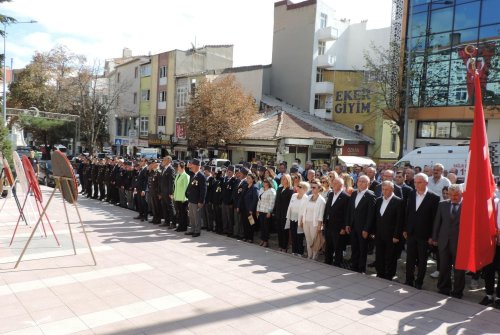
(166, 191)
(101, 174)
(217, 204)
(196, 193)
(228, 187)
(153, 191)
(94, 174)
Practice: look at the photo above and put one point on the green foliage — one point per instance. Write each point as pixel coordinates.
(5, 143)
(46, 130)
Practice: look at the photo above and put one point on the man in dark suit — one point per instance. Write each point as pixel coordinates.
(370, 172)
(228, 186)
(166, 193)
(359, 223)
(334, 222)
(388, 216)
(399, 180)
(445, 237)
(388, 175)
(420, 213)
(142, 184)
(196, 193)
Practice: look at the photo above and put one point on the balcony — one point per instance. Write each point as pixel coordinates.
(327, 34)
(323, 88)
(325, 61)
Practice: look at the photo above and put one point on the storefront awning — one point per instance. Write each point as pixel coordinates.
(351, 160)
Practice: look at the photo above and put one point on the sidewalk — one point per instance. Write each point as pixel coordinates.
(149, 280)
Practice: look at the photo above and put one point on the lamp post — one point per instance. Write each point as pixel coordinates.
(4, 96)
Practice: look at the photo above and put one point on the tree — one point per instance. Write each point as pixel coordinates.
(387, 90)
(219, 112)
(5, 143)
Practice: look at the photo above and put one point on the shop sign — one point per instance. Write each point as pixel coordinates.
(354, 150)
(322, 144)
(352, 101)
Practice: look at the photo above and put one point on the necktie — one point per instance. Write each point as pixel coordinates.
(454, 210)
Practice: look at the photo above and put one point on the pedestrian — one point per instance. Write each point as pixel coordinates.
(181, 183)
(196, 193)
(283, 196)
(265, 206)
(297, 201)
(311, 217)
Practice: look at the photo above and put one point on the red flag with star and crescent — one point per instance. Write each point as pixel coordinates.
(476, 242)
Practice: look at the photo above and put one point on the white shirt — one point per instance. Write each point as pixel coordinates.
(335, 197)
(437, 187)
(385, 202)
(358, 198)
(420, 198)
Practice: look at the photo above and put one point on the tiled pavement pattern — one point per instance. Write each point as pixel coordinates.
(149, 280)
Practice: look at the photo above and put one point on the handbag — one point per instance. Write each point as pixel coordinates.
(251, 220)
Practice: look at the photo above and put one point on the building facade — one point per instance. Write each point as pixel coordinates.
(440, 103)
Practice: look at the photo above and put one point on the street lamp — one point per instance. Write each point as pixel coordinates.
(4, 96)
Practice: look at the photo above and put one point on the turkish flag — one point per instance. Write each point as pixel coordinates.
(476, 241)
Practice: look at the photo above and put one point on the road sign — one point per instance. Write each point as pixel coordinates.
(118, 141)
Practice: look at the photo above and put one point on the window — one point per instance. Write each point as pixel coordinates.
(162, 96)
(118, 126)
(145, 70)
(394, 139)
(135, 98)
(323, 20)
(319, 103)
(181, 97)
(321, 47)
(163, 72)
(445, 129)
(319, 75)
(489, 12)
(145, 95)
(161, 120)
(136, 72)
(143, 126)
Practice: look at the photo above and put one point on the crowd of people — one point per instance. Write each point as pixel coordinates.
(375, 210)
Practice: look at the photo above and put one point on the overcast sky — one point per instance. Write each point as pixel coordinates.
(100, 29)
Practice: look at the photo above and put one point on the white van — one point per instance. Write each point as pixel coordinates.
(449, 156)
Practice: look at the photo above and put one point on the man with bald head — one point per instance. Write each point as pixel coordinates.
(359, 222)
(421, 210)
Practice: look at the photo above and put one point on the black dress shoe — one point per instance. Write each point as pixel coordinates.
(457, 295)
(196, 234)
(163, 225)
(180, 230)
(418, 286)
(188, 233)
(371, 265)
(138, 217)
(496, 304)
(486, 301)
(172, 226)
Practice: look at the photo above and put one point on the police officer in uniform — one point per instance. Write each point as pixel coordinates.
(229, 183)
(154, 191)
(196, 193)
(166, 193)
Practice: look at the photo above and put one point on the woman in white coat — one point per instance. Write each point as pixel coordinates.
(311, 217)
(292, 218)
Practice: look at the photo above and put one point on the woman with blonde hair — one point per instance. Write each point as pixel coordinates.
(265, 206)
(348, 183)
(311, 217)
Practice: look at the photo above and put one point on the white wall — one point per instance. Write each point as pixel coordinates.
(293, 45)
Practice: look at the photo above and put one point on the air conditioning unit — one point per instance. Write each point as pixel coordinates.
(358, 127)
(339, 142)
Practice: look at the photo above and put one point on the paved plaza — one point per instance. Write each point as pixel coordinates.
(149, 280)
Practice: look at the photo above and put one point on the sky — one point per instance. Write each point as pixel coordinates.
(100, 29)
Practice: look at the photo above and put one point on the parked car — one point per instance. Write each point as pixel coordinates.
(45, 175)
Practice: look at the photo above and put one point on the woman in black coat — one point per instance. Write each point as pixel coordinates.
(249, 199)
(283, 196)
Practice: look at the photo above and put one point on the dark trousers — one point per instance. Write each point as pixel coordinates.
(265, 225)
(359, 249)
(297, 239)
(219, 229)
(181, 209)
(333, 245)
(386, 258)
(447, 256)
(248, 229)
(167, 207)
(489, 274)
(209, 216)
(123, 197)
(227, 219)
(283, 234)
(156, 208)
(102, 191)
(143, 206)
(416, 254)
(96, 190)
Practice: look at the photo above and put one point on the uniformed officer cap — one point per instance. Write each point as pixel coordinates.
(175, 164)
(294, 169)
(247, 165)
(195, 161)
(244, 170)
(231, 168)
(254, 166)
(262, 168)
(151, 161)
